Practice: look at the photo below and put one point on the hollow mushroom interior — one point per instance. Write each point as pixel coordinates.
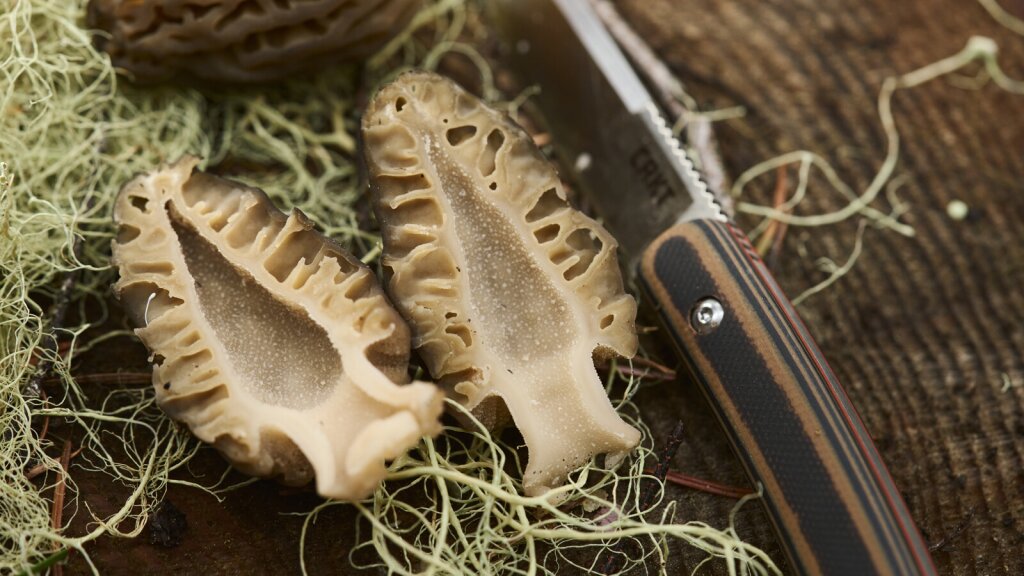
(282, 356)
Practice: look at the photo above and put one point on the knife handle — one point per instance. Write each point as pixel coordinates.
(827, 492)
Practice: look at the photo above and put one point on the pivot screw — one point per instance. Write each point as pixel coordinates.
(706, 315)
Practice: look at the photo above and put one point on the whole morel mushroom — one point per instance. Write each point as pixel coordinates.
(242, 40)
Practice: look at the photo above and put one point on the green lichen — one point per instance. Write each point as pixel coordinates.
(71, 133)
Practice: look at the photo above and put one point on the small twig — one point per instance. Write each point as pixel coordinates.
(35, 471)
(771, 242)
(107, 377)
(765, 241)
(57, 515)
(626, 371)
(773, 254)
(672, 95)
(705, 486)
(642, 329)
(38, 469)
(647, 363)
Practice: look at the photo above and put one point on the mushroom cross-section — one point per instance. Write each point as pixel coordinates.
(242, 40)
(268, 339)
(509, 290)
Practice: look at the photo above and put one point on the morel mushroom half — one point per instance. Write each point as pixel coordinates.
(509, 290)
(268, 339)
(242, 40)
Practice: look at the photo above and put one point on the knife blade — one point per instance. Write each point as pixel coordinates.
(578, 88)
(830, 498)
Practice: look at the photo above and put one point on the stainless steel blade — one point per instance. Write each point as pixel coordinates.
(606, 126)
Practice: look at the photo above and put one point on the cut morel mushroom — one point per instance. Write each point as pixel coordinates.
(510, 292)
(242, 40)
(268, 339)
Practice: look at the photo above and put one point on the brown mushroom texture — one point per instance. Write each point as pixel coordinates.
(269, 340)
(242, 40)
(509, 290)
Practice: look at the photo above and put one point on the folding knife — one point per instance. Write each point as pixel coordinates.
(827, 491)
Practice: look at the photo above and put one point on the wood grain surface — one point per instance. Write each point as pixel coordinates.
(925, 332)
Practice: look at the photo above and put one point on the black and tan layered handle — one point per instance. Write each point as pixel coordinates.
(832, 501)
